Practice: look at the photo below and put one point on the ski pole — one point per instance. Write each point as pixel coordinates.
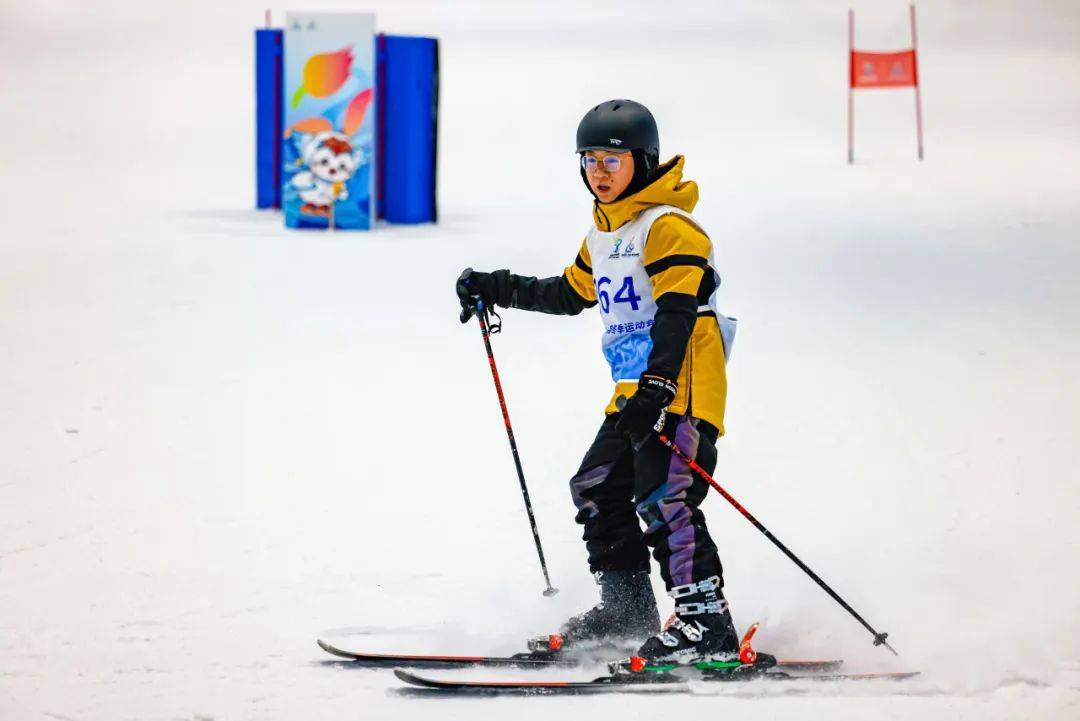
(879, 638)
(485, 331)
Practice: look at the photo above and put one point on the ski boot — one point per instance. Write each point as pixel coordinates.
(701, 629)
(747, 663)
(626, 612)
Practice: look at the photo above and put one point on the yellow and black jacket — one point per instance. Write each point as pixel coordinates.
(686, 342)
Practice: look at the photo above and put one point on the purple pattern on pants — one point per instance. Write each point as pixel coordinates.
(583, 482)
(666, 506)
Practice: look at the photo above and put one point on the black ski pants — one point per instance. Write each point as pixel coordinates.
(616, 484)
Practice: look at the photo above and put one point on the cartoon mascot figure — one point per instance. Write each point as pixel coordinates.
(330, 161)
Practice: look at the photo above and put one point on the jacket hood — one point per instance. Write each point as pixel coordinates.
(668, 188)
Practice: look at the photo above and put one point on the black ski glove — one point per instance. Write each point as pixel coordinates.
(491, 288)
(644, 413)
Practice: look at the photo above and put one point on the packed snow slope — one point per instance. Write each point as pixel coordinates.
(221, 439)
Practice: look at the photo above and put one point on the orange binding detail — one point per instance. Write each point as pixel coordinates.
(746, 652)
(555, 642)
(637, 664)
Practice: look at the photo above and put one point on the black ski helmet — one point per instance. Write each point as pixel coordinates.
(618, 126)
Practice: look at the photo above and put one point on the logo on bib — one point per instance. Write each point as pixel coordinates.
(628, 252)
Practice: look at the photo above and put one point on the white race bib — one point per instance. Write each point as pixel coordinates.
(624, 293)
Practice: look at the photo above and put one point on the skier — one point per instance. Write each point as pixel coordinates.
(649, 265)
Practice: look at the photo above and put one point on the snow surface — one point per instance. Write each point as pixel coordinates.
(221, 440)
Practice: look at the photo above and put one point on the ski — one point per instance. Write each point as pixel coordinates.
(518, 660)
(421, 660)
(620, 682)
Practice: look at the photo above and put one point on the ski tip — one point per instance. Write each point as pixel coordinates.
(414, 680)
(332, 650)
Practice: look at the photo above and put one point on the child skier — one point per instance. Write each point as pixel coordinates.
(648, 264)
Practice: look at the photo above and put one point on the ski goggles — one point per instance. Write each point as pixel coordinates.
(610, 163)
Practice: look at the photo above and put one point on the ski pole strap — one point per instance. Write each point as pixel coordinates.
(486, 313)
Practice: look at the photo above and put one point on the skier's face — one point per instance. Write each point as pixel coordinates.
(608, 178)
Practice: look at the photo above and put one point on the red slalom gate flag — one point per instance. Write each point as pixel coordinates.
(867, 69)
(883, 70)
